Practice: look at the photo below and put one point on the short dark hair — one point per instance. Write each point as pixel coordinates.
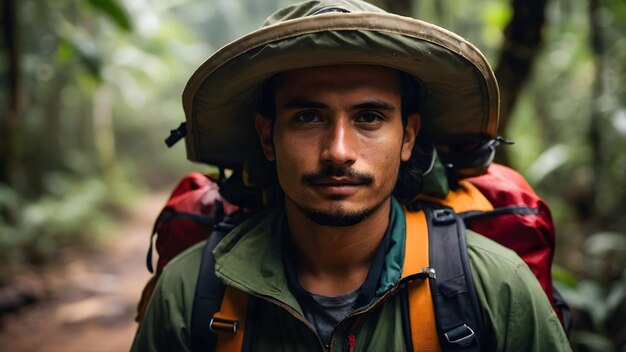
(411, 173)
(266, 96)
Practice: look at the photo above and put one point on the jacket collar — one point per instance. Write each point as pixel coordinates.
(251, 257)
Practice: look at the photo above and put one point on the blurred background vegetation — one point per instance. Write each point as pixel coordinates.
(90, 88)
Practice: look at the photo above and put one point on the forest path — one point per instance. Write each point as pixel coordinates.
(91, 296)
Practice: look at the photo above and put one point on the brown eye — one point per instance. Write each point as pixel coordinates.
(307, 117)
(368, 117)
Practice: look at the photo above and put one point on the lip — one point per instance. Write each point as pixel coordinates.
(337, 182)
(337, 186)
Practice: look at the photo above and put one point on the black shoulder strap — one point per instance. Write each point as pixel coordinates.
(209, 293)
(457, 310)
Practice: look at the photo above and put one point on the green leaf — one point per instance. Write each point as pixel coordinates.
(559, 274)
(496, 14)
(65, 51)
(114, 11)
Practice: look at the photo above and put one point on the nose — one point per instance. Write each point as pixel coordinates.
(340, 144)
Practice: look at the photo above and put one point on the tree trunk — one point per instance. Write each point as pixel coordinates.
(9, 117)
(522, 41)
(589, 206)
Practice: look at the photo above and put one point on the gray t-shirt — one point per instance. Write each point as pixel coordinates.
(325, 312)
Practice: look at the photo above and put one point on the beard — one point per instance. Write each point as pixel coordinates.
(338, 217)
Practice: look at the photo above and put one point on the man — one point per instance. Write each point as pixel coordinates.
(339, 94)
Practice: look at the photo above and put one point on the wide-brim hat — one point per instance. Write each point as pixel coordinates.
(460, 103)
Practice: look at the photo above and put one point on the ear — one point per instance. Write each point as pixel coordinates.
(264, 129)
(410, 135)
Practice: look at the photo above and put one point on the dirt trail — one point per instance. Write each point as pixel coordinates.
(91, 296)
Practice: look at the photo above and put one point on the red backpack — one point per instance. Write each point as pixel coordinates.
(520, 221)
(192, 210)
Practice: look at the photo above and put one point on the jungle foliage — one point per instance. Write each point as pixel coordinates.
(91, 88)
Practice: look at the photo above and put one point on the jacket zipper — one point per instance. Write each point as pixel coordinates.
(362, 311)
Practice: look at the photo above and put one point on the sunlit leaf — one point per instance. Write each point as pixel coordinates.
(619, 121)
(550, 160)
(496, 14)
(616, 296)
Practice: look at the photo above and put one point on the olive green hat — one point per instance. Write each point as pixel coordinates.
(461, 98)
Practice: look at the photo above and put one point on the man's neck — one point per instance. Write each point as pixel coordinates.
(335, 260)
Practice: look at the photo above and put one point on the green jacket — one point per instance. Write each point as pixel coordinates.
(250, 259)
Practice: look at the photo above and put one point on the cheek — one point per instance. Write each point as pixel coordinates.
(291, 162)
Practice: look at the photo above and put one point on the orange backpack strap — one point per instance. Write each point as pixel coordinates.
(421, 309)
(229, 323)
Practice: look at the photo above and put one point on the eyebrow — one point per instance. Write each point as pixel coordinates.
(302, 103)
(375, 104)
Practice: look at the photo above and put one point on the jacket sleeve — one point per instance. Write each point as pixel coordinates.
(514, 305)
(164, 327)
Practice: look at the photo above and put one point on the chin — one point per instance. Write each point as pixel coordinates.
(337, 219)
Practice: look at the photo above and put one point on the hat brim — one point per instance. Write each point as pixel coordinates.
(461, 98)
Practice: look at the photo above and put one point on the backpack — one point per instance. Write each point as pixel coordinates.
(193, 208)
(512, 208)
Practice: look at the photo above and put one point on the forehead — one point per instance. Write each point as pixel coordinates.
(339, 79)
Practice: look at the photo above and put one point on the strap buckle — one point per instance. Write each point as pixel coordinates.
(430, 272)
(462, 335)
(444, 216)
(223, 325)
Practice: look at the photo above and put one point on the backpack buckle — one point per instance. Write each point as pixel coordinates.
(462, 335)
(223, 325)
(430, 272)
(443, 216)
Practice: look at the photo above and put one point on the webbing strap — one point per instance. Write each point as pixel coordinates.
(457, 309)
(208, 298)
(219, 312)
(232, 317)
(421, 310)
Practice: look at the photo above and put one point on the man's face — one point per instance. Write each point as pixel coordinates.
(338, 140)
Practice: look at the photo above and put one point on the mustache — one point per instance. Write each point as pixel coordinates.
(341, 171)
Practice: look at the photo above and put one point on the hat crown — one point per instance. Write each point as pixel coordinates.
(317, 7)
